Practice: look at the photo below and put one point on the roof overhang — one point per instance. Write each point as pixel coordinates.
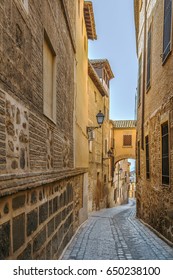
(89, 20)
(94, 77)
(100, 63)
(136, 16)
(125, 124)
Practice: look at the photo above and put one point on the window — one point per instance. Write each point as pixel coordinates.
(149, 60)
(139, 79)
(167, 28)
(127, 140)
(138, 159)
(165, 154)
(49, 92)
(106, 146)
(147, 157)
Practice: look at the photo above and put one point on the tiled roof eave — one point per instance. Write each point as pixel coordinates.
(94, 77)
(124, 124)
(100, 62)
(89, 20)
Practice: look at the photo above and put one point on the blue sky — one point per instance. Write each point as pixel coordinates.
(116, 41)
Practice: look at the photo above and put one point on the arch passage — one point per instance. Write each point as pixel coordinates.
(125, 139)
(125, 156)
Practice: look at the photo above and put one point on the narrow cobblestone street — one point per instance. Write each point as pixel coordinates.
(116, 234)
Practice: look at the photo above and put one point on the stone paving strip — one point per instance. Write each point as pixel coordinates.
(116, 234)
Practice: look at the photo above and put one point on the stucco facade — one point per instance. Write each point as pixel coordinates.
(155, 115)
(99, 139)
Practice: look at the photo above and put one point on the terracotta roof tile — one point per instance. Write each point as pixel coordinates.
(124, 124)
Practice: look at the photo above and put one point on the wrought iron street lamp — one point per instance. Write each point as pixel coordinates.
(100, 119)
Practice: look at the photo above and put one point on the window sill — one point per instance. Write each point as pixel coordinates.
(148, 89)
(49, 118)
(166, 58)
(164, 185)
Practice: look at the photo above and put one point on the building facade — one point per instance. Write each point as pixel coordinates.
(99, 140)
(121, 182)
(85, 30)
(124, 147)
(41, 189)
(154, 30)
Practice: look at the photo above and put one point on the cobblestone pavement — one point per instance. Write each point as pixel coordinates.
(116, 234)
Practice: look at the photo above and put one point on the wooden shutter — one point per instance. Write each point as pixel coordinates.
(127, 140)
(167, 28)
(165, 154)
(148, 59)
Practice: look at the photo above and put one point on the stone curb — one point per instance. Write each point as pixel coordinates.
(156, 232)
(71, 240)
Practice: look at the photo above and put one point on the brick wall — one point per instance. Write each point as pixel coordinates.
(154, 200)
(40, 191)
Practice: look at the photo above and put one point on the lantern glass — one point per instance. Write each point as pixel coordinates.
(100, 118)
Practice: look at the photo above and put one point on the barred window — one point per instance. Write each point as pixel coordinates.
(147, 157)
(49, 92)
(127, 140)
(165, 154)
(167, 28)
(149, 60)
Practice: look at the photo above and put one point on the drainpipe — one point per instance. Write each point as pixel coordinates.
(144, 77)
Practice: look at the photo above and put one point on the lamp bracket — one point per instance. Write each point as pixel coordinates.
(91, 128)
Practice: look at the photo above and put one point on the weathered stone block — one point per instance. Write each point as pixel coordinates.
(18, 202)
(50, 207)
(55, 205)
(57, 220)
(49, 251)
(26, 254)
(55, 244)
(43, 212)
(33, 197)
(50, 227)
(6, 208)
(18, 231)
(39, 240)
(64, 214)
(32, 221)
(41, 255)
(4, 240)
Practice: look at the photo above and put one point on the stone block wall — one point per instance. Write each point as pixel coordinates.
(38, 223)
(154, 199)
(41, 193)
